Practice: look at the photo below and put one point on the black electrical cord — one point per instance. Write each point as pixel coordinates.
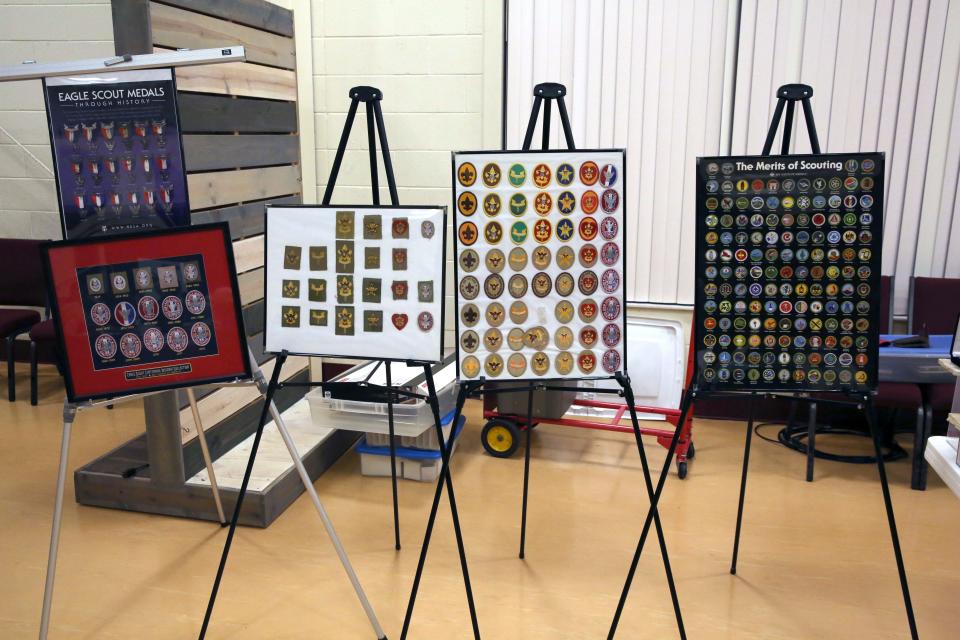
(795, 438)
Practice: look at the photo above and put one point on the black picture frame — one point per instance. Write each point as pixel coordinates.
(443, 275)
(224, 228)
(456, 261)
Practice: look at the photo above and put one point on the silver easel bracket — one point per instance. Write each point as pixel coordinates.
(183, 58)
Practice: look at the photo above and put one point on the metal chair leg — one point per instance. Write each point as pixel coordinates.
(11, 370)
(33, 373)
(811, 440)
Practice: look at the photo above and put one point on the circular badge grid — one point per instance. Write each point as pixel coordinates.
(529, 217)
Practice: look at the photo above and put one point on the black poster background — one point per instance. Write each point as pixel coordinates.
(812, 168)
(105, 129)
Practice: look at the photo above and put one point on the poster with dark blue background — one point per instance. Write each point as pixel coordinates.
(117, 152)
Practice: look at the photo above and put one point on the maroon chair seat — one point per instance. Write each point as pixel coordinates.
(17, 320)
(899, 395)
(21, 285)
(43, 342)
(941, 397)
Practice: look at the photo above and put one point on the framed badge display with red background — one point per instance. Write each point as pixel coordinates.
(788, 272)
(540, 264)
(147, 312)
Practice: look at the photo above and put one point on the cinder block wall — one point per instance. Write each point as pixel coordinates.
(45, 31)
(438, 63)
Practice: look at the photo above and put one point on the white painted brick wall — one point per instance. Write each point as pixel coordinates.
(45, 31)
(438, 64)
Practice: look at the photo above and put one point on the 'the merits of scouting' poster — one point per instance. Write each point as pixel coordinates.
(117, 152)
(788, 272)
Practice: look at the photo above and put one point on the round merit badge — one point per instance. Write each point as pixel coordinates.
(495, 260)
(518, 204)
(588, 228)
(541, 284)
(563, 338)
(610, 308)
(565, 229)
(565, 257)
(588, 336)
(611, 361)
(589, 173)
(100, 314)
(492, 339)
(200, 334)
(566, 203)
(130, 345)
(564, 311)
(515, 339)
(541, 257)
(493, 365)
(493, 286)
(516, 365)
(588, 255)
(177, 339)
(587, 361)
(172, 307)
(541, 175)
(517, 258)
(195, 302)
(469, 260)
(149, 308)
(491, 174)
(491, 204)
(540, 363)
(425, 321)
(467, 203)
(517, 285)
(542, 203)
(469, 287)
(608, 175)
(565, 174)
(611, 335)
(609, 253)
(106, 346)
(588, 310)
(565, 284)
(495, 314)
(518, 312)
(588, 282)
(124, 314)
(610, 200)
(467, 233)
(517, 175)
(589, 202)
(470, 366)
(610, 281)
(518, 232)
(427, 229)
(563, 363)
(153, 340)
(467, 174)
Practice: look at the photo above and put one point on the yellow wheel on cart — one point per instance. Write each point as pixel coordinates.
(500, 437)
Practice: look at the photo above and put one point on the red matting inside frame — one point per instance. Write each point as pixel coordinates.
(84, 380)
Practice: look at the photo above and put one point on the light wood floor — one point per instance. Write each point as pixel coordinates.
(816, 560)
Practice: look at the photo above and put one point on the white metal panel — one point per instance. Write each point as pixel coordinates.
(670, 80)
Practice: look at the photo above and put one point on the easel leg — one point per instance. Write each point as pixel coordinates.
(811, 440)
(891, 520)
(631, 403)
(526, 473)
(271, 389)
(685, 405)
(69, 413)
(743, 484)
(205, 451)
(393, 463)
(325, 518)
(444, 478)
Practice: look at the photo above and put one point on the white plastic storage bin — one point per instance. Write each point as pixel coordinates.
(410, 418)
(426, 440)
(422, 465)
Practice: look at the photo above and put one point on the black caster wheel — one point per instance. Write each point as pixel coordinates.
(691, 451)
(500, 437)
(682, 470)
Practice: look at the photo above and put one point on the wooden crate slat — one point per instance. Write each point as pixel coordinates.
(182, 29)
(219, 188)
(204, 113)
(223, 403)
(205, 152)
(238, 79)
(251, 286)
(259, 14)
(248, 253)
(245, 219)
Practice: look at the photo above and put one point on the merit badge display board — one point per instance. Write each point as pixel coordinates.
(540, 263)
(358, 281)
(117, 152)
(788, 271)
(147, 311)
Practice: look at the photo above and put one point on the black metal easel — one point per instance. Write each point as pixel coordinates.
(788, 95)
(372, 97)
(477, 388)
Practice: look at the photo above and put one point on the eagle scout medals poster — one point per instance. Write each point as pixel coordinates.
(788, 271)
(147, 311)
(117, 152)
(362, 282)
(539, 264)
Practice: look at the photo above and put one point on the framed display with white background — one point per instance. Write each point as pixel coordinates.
(540, 264)
(355, 281)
